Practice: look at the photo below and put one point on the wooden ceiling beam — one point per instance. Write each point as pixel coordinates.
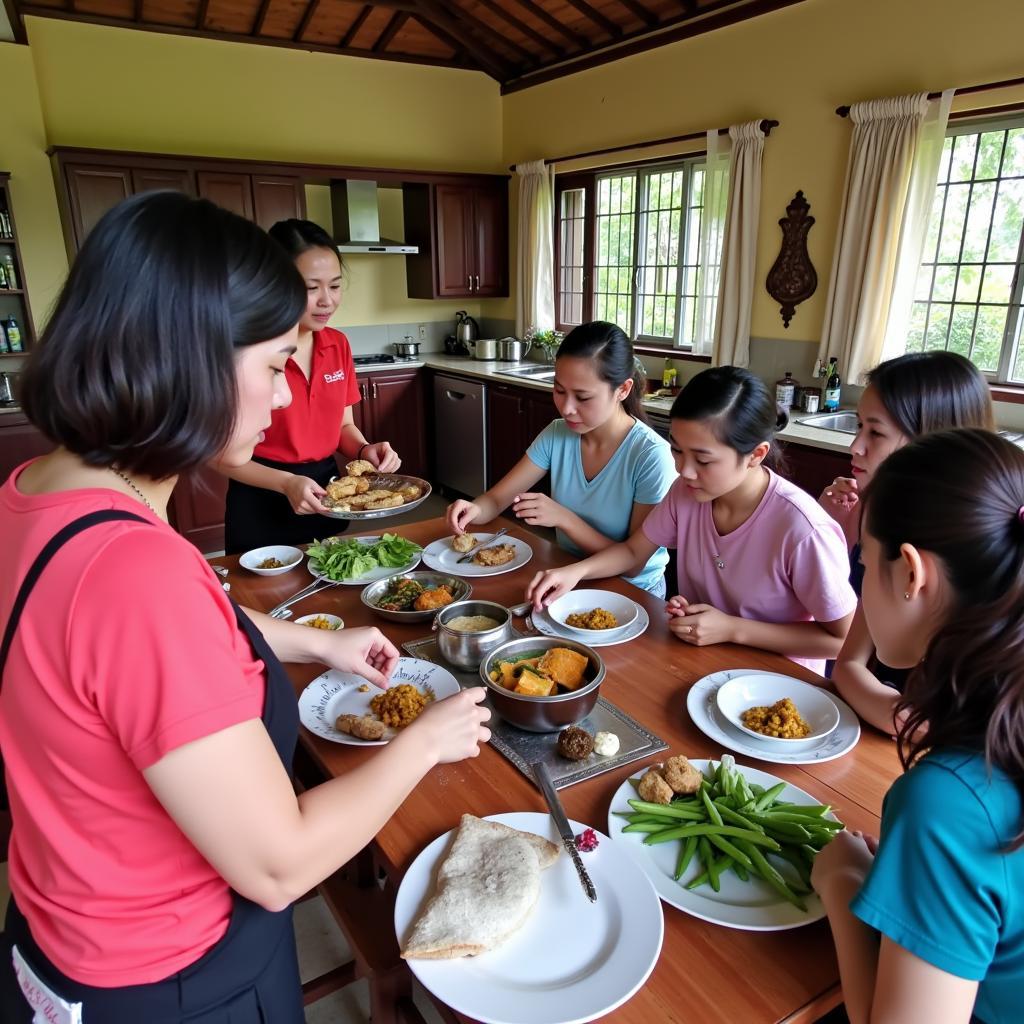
(17, 22)
(307, 16)
(528, 30)
(482, 30)
(393, 27)
(204, 6)
(493, 64)
(580, 42)
(353, 30)
(645, 14)
(612, 28)
(457, 47)
(457, 22)
(257, 25)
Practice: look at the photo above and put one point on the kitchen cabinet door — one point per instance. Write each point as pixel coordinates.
(490, 241)
(232, 191)
(456, 262)
(362, 411)
(506, 430)
(145, 179)
(276, 197)
(92, 190)
(19, 442)
(197, 509)
(399, 416)
(813, 469)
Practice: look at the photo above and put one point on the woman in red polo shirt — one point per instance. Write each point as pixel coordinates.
(275, 499)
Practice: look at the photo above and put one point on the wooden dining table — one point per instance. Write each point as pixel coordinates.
(706, 973)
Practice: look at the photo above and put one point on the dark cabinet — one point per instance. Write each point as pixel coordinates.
(19, 442)
(196, 509)
(515, 416)
(153, 179)
(393, 409)
(462, 234)
(276, 197)
(232, 191)
(91, 191)
(813, 469)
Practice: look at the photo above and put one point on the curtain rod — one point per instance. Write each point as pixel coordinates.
(766, 127)
(844, 111)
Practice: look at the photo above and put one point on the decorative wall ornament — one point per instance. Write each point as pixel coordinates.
(792, 279)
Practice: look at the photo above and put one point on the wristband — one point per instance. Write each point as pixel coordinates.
(359, 454)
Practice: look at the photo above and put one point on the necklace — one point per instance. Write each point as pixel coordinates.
(142, 497)
(718, 560)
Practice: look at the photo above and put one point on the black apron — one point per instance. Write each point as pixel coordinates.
(251, 975)
(254, 516)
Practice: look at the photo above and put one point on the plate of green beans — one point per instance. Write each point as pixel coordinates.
(738, 852)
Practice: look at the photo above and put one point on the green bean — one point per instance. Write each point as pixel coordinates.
(650, 828)
(809, 810)
(790, 854)
(740, 871)
(768, 797)
(715, 869)
(808, 853)
(685, 831)
(771, 876)
(665, 810)
(736, 818)
(686, 852)
(713, 814)
(804, 820)
(704, 879)
(794, 833)
(733, 851)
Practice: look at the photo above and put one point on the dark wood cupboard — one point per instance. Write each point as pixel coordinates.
(515, 416)
(393, 409)
(232, 191)
(813, 469)
(196, 509)
(19, 442)
(462, 234)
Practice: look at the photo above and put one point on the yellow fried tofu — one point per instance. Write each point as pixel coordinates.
(654, 789)
(532, 685)
(343, 487)
(360, 468)
(564, 667)
(508, 674)
(682, 776)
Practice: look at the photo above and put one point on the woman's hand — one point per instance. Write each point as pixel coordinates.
(460, 514)
(551, 584)
(842, 495)
(381, 455)
(304, 495)
(366, 652)
(849, 856)
(453, 728)
(699, 624)
(539, 510)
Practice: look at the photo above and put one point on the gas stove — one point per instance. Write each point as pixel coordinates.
(381, 357)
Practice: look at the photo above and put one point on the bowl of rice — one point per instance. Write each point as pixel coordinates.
(778, 712)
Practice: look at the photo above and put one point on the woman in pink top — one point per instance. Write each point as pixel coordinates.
(759, 561)
(146, 723)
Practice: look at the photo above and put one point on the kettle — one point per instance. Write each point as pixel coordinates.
(8, 393)
(466, 329)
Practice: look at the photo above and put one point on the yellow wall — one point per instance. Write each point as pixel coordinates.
(795, 65)
(121, 89)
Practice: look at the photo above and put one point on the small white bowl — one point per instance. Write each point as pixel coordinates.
(336, 621)
(816, 708)
(575, 601)
(292, 558)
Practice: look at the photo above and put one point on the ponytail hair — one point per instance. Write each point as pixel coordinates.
(611, 352)
(959, 494)
(737, 407)
(926, 391)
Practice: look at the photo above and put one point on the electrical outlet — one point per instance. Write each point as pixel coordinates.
(423, 332)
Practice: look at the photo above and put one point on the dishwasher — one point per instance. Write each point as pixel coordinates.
(460, 435)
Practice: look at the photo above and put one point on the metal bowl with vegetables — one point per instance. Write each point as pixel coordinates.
(414, 596)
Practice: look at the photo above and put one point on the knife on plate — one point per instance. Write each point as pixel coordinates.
(473, 552)
(547, 787)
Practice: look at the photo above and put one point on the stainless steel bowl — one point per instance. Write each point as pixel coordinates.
(542, 714)
(466, 650)
(460, 590)
(406, 349)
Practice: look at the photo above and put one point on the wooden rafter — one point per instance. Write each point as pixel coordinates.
(580, 42)
(439, 33)
(494, 64)
(645, 14)
(458, 22)
(261, 17)
(398, 19)
(307, 16)
(17, 23)
(613, 29)
(528, 30)
(137, 10)
(204, 6)
(353, 29)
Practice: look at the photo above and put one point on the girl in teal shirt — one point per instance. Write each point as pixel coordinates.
(608, 468)
(928, 921)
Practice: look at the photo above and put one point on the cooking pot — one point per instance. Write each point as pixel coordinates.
(466, 650)
(484, 348)
(407, 349)
(511, 350)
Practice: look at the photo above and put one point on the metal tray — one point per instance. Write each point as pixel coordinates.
(524, 749)
(387, 482)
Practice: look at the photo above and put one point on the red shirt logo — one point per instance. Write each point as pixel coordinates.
(331, 378)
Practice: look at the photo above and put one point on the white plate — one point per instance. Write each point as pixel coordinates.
(389, 482)
(292, 558)
(441, 556)
(572, 961)
(750, 906)
(760, 689)
(337, 693)
(380, 573)
(702, 706)
(336, 621)
(621, 607)
(543, 623)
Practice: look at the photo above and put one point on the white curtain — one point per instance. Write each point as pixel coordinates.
(535, 282)
(712, 233)
(923, 176)
(886, 143)
(739, 251)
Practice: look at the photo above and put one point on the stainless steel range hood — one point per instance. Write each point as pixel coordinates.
(357, 220)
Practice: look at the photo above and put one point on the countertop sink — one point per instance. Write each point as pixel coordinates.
(843, 422)
(538, 371)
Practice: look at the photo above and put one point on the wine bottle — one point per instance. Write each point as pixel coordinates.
(833, 386)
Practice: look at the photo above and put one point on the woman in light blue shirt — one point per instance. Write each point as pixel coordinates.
(929, 920)
(608, 467)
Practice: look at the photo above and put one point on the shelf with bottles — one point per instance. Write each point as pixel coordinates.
(14, 303)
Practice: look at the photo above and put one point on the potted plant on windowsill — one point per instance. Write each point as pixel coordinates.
(546, 342)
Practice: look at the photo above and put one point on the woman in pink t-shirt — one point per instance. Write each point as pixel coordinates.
(146, 723)
(759, 562)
